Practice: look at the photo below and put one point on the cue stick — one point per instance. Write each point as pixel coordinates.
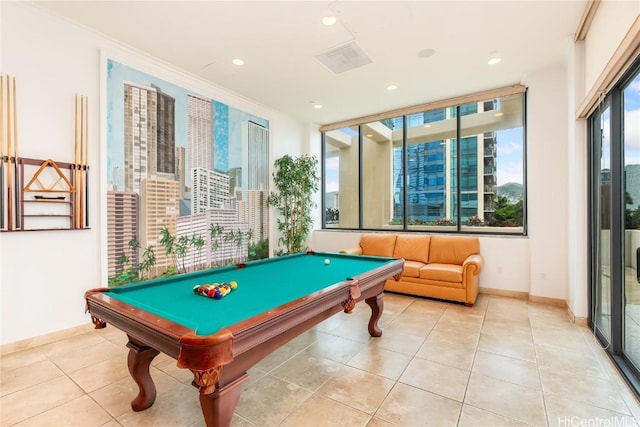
(75, 161)
(80, 172)
(86, 164)
(83, 125)
(16, 183)
(9, 177)
(2, 160)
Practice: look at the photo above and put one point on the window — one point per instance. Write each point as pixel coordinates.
(341, 178)
(614, 178)
(458, 168)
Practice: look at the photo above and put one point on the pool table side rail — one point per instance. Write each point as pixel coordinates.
(167, 334)
(261, 327)
(147, 327)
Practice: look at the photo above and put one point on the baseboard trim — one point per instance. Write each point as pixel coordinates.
(549, 301)
(504, 293)
(580, 321)
(44, 339)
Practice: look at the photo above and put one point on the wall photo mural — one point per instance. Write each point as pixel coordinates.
(187, 179)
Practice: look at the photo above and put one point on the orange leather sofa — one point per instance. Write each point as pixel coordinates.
(435, 266)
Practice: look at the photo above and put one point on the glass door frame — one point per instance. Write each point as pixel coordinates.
(615, 346)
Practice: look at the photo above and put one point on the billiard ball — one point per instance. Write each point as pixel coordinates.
(327, 262)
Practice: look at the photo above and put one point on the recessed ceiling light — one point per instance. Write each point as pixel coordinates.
(426, 53)
(238, 61)
(369, 135)
(329, 20)
(392, 87)
(426, 125)
(317, 106)
(499, 114)
(494, 58)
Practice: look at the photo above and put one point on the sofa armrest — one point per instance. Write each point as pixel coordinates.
(352, 251)
(473, 264)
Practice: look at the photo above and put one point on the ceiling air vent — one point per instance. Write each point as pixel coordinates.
(343, 58)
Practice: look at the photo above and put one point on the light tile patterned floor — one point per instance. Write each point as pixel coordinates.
(503, 362)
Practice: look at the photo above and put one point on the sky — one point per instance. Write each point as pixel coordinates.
(226, 128)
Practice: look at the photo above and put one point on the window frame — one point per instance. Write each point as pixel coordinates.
(456, 104)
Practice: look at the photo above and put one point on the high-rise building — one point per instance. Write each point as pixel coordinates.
(180, 169)
(122, 228)
(432, 178)
(149, 134)
(140, 132)
(200, 132)
(255, 150)
(258, 214)
(632, 185)
(159, 208)
(210, 189)
(165, 135)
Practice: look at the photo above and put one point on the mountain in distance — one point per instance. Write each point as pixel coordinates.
(511, 190)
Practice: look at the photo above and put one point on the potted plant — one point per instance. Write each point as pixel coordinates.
(296, 180)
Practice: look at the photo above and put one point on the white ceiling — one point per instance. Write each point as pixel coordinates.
(278, 41)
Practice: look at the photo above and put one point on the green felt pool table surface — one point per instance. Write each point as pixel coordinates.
(262, 286)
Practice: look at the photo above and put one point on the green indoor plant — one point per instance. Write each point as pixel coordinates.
(296, 180)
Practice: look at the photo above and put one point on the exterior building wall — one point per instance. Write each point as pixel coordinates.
(200, 132)
(180, 170)
(219, 250)
(159, 208)
(256, 146)
(210, 190)
(257, 214)
(122, 227)
(139, 133)
(165, 134)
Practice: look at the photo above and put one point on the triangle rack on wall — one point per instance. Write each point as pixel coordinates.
(52, 188)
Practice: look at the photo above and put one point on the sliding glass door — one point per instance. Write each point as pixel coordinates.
(631, 141)
(615, 224)
(601, 138)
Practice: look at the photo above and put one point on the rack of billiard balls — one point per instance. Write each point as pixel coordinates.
(215, 290)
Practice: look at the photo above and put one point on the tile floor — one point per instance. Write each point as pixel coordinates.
(503, 362)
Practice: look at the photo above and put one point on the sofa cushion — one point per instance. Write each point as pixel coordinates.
(378, 244)
(412, 248)
(452, 250)
(442, 272)
(412, 268)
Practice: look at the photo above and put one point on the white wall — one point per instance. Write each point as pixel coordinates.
(547, 127)
(44, 274)
(612, 21)
(506, 258)
(536, 264)
(577, 220)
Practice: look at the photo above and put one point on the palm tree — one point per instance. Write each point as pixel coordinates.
(181, 250)
(197, 241)
(238, 238)
(168, 242)
(216, 236)
(148, 261)
(134, 245)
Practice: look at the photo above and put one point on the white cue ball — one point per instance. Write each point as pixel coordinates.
(327, 262)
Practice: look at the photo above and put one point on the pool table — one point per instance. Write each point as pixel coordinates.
(220, 339)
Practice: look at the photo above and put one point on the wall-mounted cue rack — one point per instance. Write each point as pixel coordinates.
(40, 194)
(54, 196)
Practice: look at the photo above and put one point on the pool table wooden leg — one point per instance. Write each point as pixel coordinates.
(139, 360)
(377, 304)
(218, 407)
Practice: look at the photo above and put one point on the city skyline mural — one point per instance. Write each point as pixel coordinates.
(187, 178)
